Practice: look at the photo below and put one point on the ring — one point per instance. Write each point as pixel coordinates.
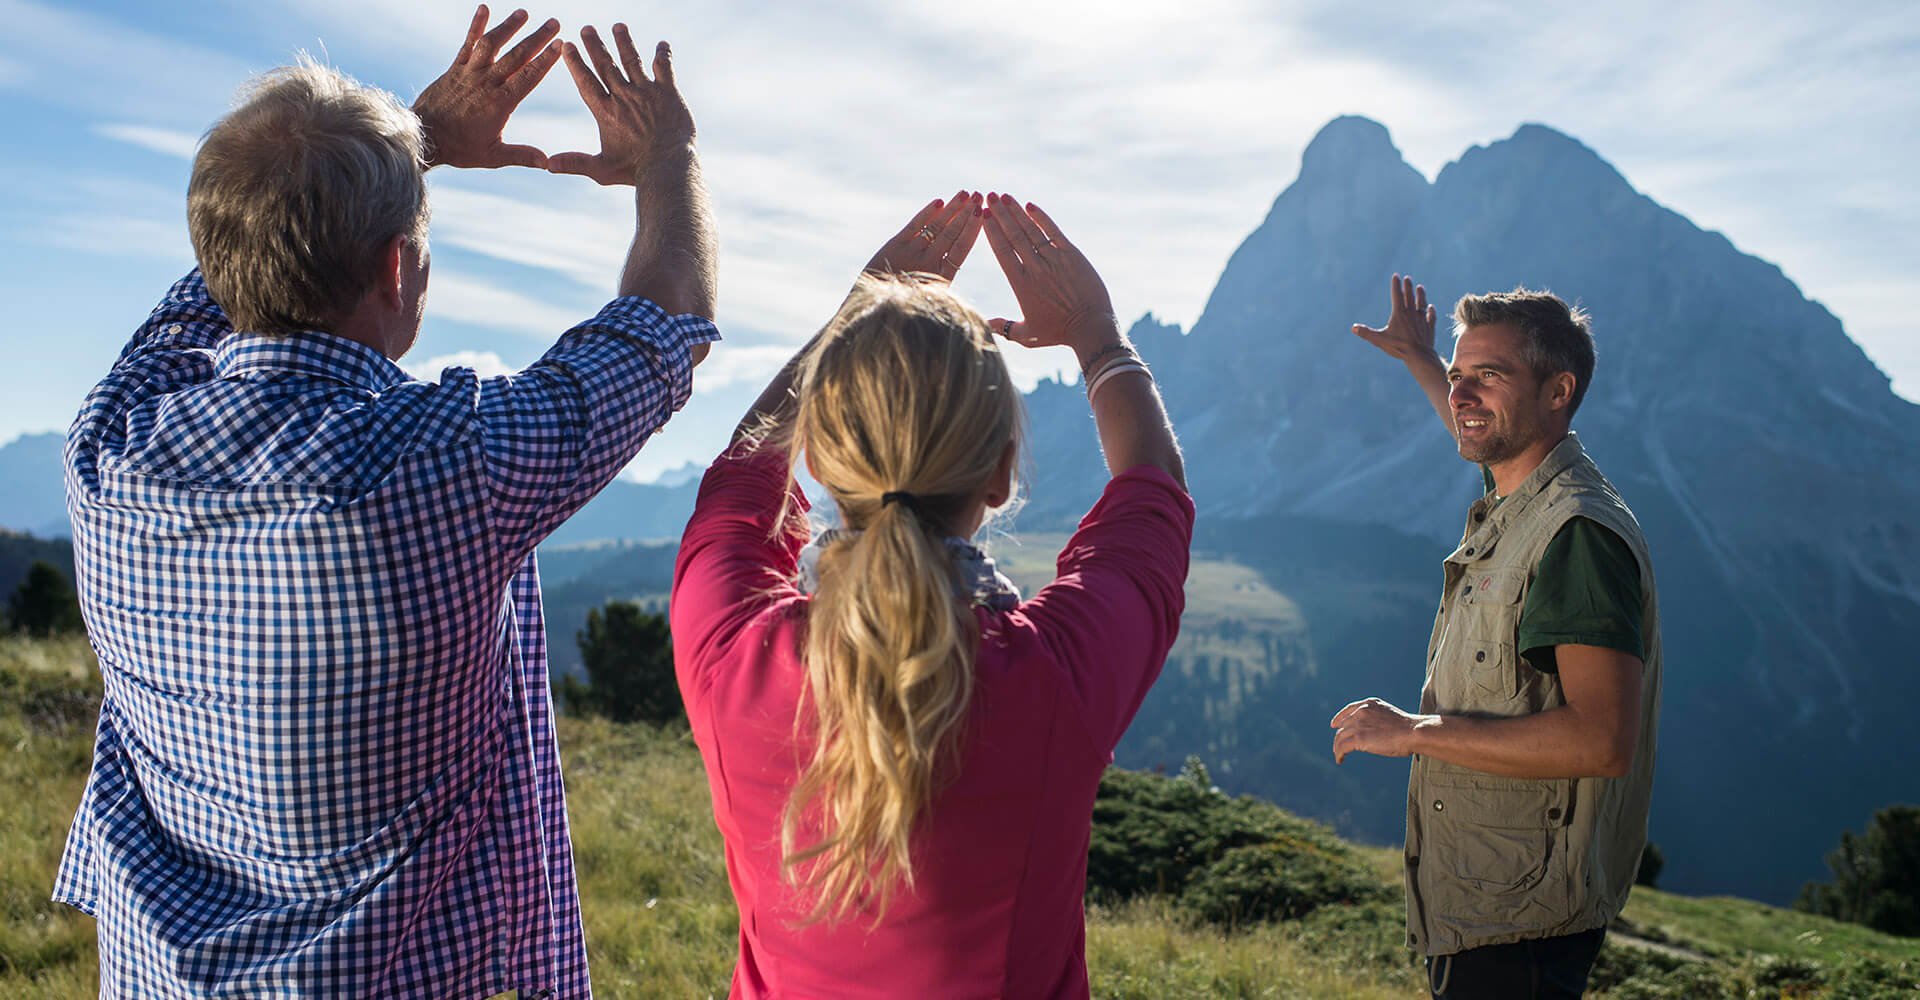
(1006, 328)
(926, 231)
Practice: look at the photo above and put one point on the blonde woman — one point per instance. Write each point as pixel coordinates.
(903, 753)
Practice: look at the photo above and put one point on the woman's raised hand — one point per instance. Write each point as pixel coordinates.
(1062, 299)
(936, 241)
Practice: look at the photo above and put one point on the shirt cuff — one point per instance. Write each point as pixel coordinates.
(671, 337)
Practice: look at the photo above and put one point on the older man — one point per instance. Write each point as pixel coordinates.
(1533, 750)
(326, 763)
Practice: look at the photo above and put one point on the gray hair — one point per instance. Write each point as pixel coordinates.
(1556, 337)
(296, 193)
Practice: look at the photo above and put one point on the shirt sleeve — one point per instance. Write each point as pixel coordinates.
(172, 350)
(737, 557)
(1585, 591)
(1111, 614)
(556, 433)
(187, 319)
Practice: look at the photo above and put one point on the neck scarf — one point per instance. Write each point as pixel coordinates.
(975, 579)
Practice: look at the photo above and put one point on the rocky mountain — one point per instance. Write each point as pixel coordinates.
(1772, 466)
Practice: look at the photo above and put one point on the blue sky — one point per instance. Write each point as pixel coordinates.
(1157, 134)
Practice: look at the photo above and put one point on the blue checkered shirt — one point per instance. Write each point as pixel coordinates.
(326, 763)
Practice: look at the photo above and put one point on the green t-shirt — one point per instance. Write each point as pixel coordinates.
(1586, 592)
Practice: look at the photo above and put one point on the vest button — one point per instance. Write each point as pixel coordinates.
(1553, 813)
(1479, 515)
(1439, 806)
(1480, 657)
(1469, 552)
(1467, 591)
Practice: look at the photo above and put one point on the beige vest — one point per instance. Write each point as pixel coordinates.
(1489, 859)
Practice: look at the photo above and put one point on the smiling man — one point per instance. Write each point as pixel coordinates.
(1533, 748)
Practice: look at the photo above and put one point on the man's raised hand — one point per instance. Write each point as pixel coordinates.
(638, 117)
(935, 241)
(1410, 323)
(464, 111)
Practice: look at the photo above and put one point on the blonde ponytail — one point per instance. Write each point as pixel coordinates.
(904, 392)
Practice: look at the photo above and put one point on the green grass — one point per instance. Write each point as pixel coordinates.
(660, 920)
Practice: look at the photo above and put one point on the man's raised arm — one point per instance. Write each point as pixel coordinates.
(646, 140)
(1408, 336)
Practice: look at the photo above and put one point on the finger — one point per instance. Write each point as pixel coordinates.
(522, 83)
(1001, 241)
(1340, 718)
(591, 89)
(663, 66)
(1433, 316)
(921, 220)
(523, 53)
(961, 242)
(515, 155)
(602, 59)
(629, 56)
(1419, 298)
(1047, 226)
(582, 164)
(475, 29)
(1023, 223)
(1009, 329)
(489, 43)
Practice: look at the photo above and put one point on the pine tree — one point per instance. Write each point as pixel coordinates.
(44, 604)
(1876, 876)
(628, 653)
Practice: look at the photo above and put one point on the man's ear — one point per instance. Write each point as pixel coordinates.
(393, 269)
(1559, 388)
(1000, 485)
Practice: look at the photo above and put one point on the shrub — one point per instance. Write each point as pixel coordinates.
(1652, 862)
(1230, 861)
(1284, 879)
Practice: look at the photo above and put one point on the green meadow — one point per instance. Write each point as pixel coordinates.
(660, 922)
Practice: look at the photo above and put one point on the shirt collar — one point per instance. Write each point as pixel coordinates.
(318, 355)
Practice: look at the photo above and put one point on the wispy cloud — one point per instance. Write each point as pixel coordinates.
(167, 142)
(466, 299)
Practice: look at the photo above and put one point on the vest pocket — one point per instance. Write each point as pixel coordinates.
(1490, 671)
(1501, 843)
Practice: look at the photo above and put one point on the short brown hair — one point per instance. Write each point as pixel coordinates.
(296, 193)
(1558, 337)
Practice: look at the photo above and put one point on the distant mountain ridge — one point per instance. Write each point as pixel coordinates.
(33, 485)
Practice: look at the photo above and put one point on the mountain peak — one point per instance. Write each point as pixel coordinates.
(1346, 142)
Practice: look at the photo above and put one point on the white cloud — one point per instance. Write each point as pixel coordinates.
(484, 363)
(730, 365)
(167, 142)
(1158, 135)
(467, 299)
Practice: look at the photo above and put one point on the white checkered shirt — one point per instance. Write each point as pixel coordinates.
(326, 763)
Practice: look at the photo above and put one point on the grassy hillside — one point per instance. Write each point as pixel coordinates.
(660, 921)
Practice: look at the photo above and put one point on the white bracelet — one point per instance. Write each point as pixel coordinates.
(1110, 371)
(1093, 375)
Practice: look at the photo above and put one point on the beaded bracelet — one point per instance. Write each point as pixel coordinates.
(1086, 371)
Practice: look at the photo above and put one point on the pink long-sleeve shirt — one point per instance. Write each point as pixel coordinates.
(1000, 856)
